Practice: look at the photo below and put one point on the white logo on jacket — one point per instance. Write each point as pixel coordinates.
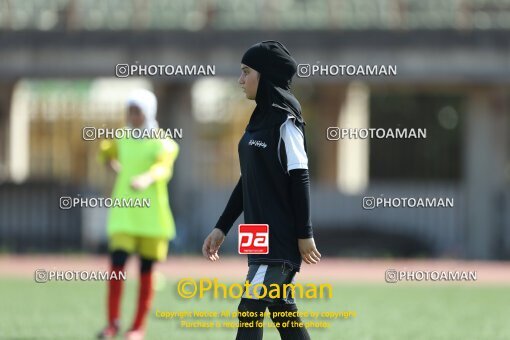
(257, 143)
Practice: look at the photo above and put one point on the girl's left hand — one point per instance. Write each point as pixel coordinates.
(309, 252)
(141, 182)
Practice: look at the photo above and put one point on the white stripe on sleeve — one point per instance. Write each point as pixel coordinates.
(294, 145)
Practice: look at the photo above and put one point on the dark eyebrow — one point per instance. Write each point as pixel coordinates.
(245, 68)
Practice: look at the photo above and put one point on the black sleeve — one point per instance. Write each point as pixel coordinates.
(233, 209)
(300, 196)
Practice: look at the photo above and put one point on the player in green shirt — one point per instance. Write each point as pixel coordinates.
(143, 166)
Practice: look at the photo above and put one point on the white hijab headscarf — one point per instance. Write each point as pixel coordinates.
(146, 101)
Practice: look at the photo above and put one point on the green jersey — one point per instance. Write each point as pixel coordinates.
(138, 156)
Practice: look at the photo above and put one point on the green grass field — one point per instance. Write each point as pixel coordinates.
(75, 310)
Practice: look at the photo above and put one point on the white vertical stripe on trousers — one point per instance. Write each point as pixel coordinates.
(257, 278)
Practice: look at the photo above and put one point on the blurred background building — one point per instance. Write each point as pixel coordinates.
(57, 75)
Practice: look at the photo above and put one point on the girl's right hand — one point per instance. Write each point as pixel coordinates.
(212, 244)
(114, 165)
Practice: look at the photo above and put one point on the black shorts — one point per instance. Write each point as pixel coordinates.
(269, 275)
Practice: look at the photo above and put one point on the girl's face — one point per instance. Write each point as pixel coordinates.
(135, 117)
(249, 81)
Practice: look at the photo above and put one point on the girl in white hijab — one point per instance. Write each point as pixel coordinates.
(143, 166)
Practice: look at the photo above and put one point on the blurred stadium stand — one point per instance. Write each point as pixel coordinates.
(238, 14)
(453, 78)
